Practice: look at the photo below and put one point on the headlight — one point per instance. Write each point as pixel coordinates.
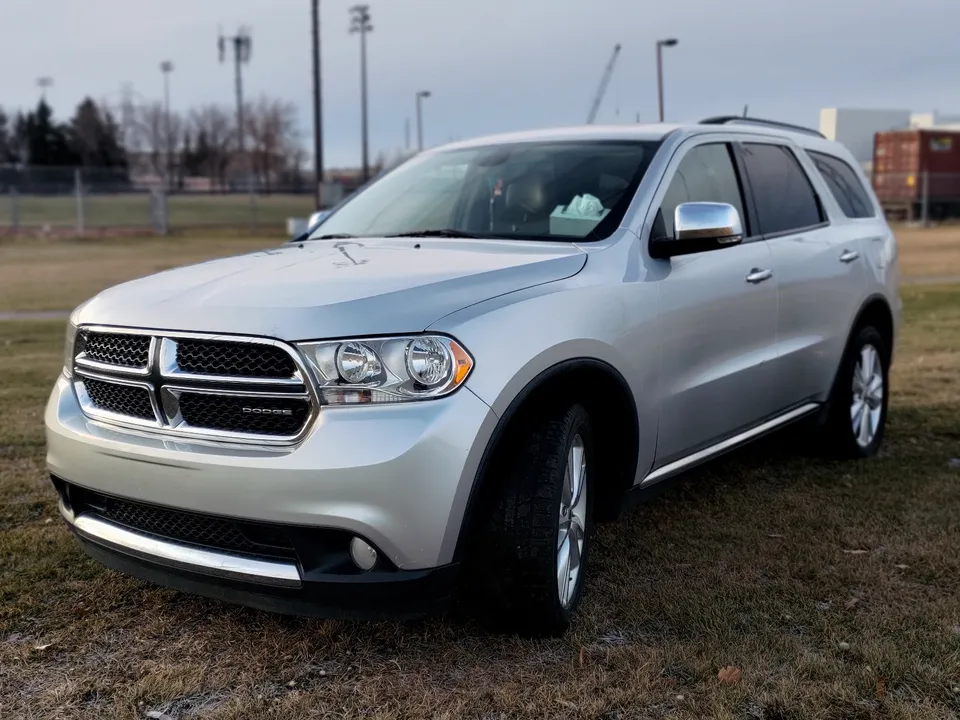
(70, 339)
(69, 344)
(385, 370)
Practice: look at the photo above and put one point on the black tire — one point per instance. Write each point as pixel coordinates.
(514, 564)
(840, 439)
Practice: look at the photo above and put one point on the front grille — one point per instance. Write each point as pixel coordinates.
(232, 359)
(241, 390)
(207, 531)
(282, 417)
(120, 399)
(123, 350)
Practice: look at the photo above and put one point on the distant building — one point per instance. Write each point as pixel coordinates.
(856, 127)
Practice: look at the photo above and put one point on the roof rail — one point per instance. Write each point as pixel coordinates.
(724, 119)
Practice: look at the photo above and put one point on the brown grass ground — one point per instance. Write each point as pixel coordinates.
(833, 587)
(44, 274)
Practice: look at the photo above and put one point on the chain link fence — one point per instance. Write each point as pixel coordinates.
(84, 201)
(922, 197)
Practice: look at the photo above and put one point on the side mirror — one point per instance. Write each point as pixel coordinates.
(698, 227)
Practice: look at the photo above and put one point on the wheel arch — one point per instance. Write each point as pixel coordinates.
(876, 311)
(616, 426)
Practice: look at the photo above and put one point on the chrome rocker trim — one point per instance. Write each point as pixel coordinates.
(696, 458)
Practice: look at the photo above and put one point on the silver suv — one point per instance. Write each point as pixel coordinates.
(471, 362)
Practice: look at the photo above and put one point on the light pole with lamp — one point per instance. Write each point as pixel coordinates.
(421, 95)
(669, 42)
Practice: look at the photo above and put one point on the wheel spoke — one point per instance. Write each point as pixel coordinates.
(875, 391)
(563, 532)
(865, 434)
(563, 572)
(575, 464)
(566, 493)
(856, 415)
(576, 546)
(867, 357)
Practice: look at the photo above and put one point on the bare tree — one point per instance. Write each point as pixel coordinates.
(214, 129)
(274, 145)
(153, 139)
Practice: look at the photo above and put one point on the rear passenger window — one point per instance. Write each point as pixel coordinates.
(784, 196)
(844, 185)
(705, 174)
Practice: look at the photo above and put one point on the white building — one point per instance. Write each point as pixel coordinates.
(856, 128)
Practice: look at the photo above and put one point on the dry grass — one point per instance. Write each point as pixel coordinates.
(38, 274)
(929, 252)
(834, 587)
(269, 212)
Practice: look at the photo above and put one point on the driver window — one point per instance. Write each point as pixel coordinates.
(705, 174)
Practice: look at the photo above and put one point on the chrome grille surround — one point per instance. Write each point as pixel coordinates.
(165, 382)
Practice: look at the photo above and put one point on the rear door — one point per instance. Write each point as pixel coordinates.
(817, 263)
(718, 313)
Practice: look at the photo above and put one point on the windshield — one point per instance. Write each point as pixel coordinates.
(556, 190)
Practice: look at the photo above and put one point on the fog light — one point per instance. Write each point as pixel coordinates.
(363, 556)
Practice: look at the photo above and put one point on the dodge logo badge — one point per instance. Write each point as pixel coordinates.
(267, 411)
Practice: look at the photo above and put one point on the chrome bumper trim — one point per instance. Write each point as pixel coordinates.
(206, 562)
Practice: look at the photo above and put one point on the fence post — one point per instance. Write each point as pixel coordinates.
(78, 191)
(14, 211)
(925, 199)
(161, 218)
(253, 206)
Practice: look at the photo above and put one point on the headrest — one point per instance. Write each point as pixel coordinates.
(527, 194)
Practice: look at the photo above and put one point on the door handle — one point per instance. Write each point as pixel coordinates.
(758, 276)
(848, 256)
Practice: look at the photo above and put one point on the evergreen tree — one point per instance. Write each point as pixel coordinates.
(94, 137)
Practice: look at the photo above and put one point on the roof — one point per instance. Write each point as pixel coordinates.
(653, 132)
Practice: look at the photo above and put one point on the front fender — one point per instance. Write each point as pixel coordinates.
(516, 337)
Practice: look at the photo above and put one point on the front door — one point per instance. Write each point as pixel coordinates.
(718, 316)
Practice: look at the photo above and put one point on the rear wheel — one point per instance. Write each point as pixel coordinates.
(857, 412)
(531, 555)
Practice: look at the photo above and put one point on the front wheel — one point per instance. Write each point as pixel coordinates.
(532, 554)
(858, 404)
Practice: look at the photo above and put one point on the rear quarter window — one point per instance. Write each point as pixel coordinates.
(844, 184)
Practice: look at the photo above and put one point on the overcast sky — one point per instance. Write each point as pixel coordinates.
(495, 65)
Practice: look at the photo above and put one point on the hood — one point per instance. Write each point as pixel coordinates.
(334, 288)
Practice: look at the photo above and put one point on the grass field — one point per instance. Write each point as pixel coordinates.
(268, 213)
(833, 588)
(53, 274)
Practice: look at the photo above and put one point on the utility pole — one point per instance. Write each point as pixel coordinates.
(669, 42)
(360, 23)
(242, 45)
(317, 106)
(166, 67)
(421, 96)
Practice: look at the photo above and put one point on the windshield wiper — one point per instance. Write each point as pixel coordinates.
(333, 236)
(447, 233)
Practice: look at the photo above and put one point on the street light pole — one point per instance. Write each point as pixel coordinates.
(360, 23)
(166, 67)
(420, 97)
(317, 107)
(669, 42)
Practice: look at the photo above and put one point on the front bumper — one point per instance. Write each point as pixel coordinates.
(272, 586)
(398, 476)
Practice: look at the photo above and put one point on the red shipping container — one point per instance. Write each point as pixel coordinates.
(903, 160)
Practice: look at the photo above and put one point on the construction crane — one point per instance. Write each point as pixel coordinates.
(604, 82)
